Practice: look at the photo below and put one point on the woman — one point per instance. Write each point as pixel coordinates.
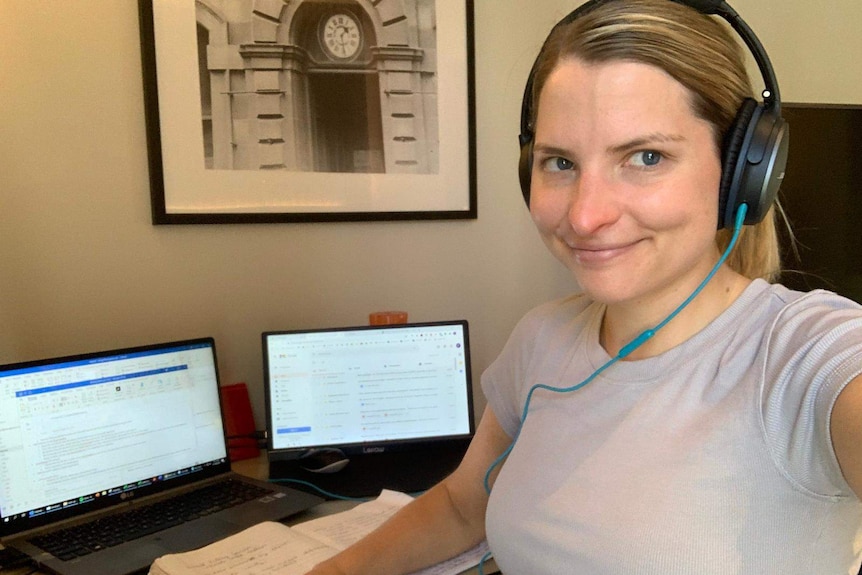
(726, 441)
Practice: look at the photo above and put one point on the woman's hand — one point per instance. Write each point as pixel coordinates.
(327, 567)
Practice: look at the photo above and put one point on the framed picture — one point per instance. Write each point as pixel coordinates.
(263, 111)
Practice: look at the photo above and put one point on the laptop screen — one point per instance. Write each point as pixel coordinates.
(83, 432)
(367, 389)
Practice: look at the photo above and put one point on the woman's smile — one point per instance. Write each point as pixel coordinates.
(601, 254)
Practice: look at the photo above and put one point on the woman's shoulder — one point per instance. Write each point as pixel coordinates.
(557, 312)
(563, 307)
(808, 312)
(548, 320)
(782, 306)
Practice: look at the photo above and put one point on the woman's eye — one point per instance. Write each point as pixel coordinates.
(557, 164)
(646, 158)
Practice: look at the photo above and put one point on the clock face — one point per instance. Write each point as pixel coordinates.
(341, 36)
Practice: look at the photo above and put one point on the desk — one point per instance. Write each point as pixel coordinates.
(259, 468)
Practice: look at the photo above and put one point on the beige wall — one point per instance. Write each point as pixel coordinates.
(82, 268)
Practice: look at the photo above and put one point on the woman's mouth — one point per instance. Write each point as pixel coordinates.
(600, 254)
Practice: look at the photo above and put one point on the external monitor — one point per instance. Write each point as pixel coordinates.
(367, 391)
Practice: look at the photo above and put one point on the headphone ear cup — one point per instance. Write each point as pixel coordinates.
(734, 142)
(525, 168)
(754, 167)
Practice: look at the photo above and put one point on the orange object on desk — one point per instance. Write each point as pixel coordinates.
(387, 317)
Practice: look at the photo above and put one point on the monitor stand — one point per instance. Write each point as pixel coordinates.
(410, 471)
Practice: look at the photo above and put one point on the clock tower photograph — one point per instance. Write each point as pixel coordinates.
(347, 86)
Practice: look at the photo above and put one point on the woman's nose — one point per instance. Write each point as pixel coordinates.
(592, 203)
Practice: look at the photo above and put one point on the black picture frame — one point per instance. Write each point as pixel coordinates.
(267, 169)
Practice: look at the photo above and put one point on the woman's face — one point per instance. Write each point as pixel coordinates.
(625, 181)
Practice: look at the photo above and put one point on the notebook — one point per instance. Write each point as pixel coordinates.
(108, 434)
(394, 402)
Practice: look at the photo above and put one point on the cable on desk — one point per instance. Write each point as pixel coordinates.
(482, 561)
(321, 491)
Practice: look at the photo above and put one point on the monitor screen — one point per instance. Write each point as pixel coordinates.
(83, 432)
(367, 389)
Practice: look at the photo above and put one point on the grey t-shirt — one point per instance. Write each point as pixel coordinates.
(711, 458)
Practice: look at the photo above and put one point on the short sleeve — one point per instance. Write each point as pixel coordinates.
(814, 349)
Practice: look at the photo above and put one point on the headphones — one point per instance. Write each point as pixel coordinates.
(755, 148)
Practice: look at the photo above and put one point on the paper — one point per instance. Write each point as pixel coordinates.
(457, 564)
(272, 547)
(265, 548)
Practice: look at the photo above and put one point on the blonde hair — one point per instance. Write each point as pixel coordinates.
(697, 51)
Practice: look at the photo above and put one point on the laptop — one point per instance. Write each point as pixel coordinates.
(354, 410)
(104, 436)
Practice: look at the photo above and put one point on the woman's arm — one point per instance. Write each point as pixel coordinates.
(447, 519)
(846, 430)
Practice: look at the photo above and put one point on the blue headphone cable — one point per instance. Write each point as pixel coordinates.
(624, 351)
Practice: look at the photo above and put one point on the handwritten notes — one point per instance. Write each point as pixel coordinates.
(272, 547)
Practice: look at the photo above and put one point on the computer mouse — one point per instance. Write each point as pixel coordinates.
(328, 461)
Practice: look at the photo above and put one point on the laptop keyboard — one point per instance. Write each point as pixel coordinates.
(114, 529)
